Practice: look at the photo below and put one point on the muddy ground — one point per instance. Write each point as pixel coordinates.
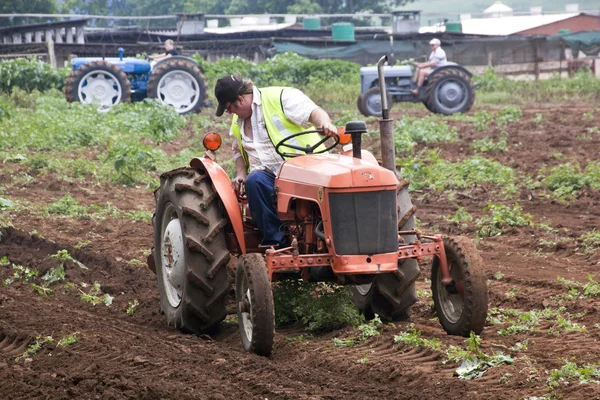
(119, 355)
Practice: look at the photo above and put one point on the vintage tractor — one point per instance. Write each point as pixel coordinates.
(175, 81)
(447, 90)
(348, 220)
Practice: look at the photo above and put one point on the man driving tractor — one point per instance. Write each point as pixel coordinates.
(263, 117)
(437, 59)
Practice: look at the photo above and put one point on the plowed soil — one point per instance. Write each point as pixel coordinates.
(137, 356)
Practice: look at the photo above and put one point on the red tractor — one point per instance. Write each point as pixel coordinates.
(348, 220)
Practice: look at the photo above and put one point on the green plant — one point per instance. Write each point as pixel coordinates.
(67, 206)
(507, 115)
(132, 306)
(319, 306)
(570, 371)
(501, 219)
(488, 145)
(366, 331)
(131, 160)
(30, 74)
(590, 241)
(482, 119)
(64, 256)
(35, 347)
(41, 290)
(68, 340)
(413, 337)
(6, 204)
(95, 296)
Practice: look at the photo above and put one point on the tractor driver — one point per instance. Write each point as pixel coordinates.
(170, 50)
(262, 118)
(437, 59)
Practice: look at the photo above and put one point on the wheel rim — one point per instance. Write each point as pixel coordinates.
(180, 90)
(172, 257)
(451, 304)
(100, 87)
(373, 104)
(452, 94)
(245, 309)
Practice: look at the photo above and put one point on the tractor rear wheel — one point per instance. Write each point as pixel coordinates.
(190, 253)
(180, 84)
(449, 91)
(359, 105)
(255, 308)
(371, 102)
(98, 82)
(391, 295)
(462, 306)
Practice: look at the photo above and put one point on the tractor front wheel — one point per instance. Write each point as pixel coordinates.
(98, 82)
(255, 308)
(462, 305)
(180, 84)
(371, 102)
(190, 253)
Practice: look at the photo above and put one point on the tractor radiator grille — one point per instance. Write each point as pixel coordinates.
(364, 223)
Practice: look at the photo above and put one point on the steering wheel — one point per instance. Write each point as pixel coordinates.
(308, 149)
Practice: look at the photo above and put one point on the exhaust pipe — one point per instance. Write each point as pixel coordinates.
(388, 154)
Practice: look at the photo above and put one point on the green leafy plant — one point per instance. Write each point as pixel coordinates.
(67, 206)
(488, 145)
(35, 347)
(366, 331)
(501, 219)
(68, 340)
(320, 307)
(571, 371)
(413, 337)
(132, 306)
(507, 115)
(95, 296)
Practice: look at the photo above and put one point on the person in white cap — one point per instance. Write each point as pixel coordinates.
(437, 58)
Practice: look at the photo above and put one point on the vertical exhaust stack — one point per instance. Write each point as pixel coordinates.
(388, 155)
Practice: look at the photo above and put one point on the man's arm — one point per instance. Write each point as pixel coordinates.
(321, 120)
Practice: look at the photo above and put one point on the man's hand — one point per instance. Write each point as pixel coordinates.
(238, 184)
(329, 129)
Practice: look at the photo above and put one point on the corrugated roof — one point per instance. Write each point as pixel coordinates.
(510, 24)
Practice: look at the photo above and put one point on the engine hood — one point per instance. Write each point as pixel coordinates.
(128, 65)
(335, 171)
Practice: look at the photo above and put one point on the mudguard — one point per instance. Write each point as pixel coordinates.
(222, 185)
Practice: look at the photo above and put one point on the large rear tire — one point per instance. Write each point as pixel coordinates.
(190, 253)
(462, 307)
(180, 84)
(255, 308)
(449, 91)
(391, 295)
(98, 82)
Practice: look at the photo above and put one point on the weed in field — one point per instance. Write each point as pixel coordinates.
(502, 218)
(538, 119)
(460, 216)
(507, 115)
(53, 275)
(67, 206)
(570, 371)
(6, 204)
(567, 179)
(132, 306)
(41, 290)
(64, 256)
(363, 360)
(131, 160)
(21, 273)
(488, 145)
(409, 131)
(68, 340)
(81, 245)
(590, 242)
(95, 296)
(319, 306)
(413, 337)
(366, 331)
(34, 348)
(4, 261)
(498, 276)
(588, 115)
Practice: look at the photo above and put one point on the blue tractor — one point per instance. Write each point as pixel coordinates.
(447, 90)
(175, 81)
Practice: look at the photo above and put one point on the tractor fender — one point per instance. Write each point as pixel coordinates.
(449, 66)
(223, 187)
(173, 58)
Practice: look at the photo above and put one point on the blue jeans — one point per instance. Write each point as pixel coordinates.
(261, 201)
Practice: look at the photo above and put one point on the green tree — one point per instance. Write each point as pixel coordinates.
(25, 6)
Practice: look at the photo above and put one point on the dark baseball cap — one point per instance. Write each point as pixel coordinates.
(226, 91)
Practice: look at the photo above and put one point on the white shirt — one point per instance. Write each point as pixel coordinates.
(297, 107)
(439, 56)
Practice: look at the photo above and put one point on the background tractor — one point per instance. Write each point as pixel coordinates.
(348, 220)
(447, 90)
(175, 81)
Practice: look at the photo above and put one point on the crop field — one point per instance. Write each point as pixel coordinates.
(79, 308)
